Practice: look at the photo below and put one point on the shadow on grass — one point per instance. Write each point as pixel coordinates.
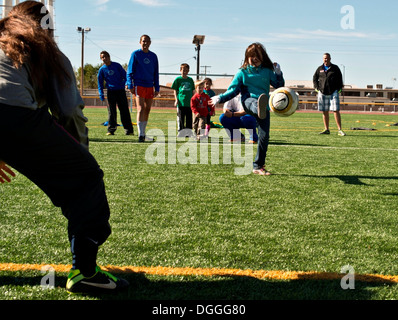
(219, 141)
(285, 143)
(180, 288)
(347, 179)
(245, 288)
(115, 140)
(373, 136)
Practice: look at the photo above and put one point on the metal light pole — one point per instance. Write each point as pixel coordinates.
(343, 79)
(343, 72)
(197, 41)
(82, 30)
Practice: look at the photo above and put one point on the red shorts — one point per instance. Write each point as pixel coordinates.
(143, 92)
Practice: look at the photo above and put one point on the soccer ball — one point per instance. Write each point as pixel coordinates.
(284, 102)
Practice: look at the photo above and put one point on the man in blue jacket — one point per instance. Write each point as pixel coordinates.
(115, 79)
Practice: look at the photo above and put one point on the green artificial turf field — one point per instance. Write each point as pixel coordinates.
(330, 203)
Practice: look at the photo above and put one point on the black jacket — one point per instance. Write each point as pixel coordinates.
(330, 81)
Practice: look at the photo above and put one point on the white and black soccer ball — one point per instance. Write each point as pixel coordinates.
(284, 101)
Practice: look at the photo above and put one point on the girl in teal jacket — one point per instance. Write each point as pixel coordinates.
(253, 82)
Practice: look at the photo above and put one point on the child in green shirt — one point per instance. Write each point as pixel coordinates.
(184, 89)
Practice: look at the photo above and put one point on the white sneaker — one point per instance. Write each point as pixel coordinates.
(261, 172)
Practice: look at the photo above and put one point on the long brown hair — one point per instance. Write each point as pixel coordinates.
(257, 50)
(24, 41)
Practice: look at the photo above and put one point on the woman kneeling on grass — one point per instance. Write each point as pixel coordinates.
(253, 81)
(38, 147)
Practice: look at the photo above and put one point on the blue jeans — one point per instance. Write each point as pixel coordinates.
(235, 123)
(263, 127)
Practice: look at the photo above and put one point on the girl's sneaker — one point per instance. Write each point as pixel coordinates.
(262, 106)
(262, 172)
(100, 282)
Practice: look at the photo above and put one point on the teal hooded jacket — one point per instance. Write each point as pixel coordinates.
(252, 82)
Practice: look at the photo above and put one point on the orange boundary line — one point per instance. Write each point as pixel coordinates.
(209, 272)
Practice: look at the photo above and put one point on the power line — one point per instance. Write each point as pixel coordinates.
(177, 64)
(102, 49)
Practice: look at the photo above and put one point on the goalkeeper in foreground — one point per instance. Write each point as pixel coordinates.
(34, 75)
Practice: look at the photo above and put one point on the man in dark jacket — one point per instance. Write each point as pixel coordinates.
(328, 82)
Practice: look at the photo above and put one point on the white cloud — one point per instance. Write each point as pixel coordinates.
(153, 3)
(174, 41)
(100, 2)
(100, 5)
(301, 34)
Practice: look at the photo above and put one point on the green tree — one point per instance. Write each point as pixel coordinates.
(90, 76)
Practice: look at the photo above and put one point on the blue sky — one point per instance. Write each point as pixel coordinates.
(295, 34)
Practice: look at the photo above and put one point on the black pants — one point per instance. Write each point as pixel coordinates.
(184, 116)
(35, 145)
(119, 98)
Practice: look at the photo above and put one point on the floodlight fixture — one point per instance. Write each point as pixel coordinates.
(198, 40)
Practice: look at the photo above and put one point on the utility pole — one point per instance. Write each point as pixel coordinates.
(82, 30)
(197, 61)
(206, 67)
